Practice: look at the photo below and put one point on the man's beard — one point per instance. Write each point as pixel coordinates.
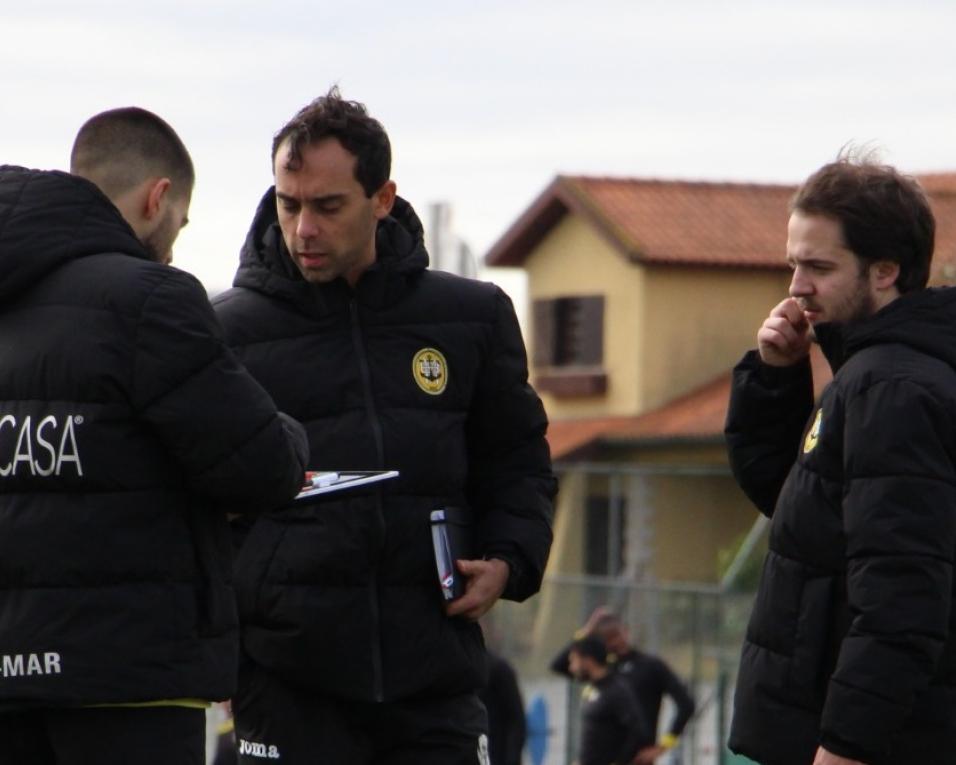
(860, 307)
(150, 246)
(159, 244)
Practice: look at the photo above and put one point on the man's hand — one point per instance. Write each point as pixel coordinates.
(648, 755)
(784, 337)
(596, 615)
(826, 758)
(486, 580)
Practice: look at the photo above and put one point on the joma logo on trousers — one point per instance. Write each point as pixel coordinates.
(23, 664)
(40, 449)
(255, 749)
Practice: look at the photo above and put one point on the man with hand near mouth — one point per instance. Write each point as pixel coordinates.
(850, 655)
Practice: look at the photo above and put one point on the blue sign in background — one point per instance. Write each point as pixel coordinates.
(538, 729)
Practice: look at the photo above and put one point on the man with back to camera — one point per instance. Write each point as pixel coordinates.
(127, 431)
(649, 677)
(613, 727)
(350, 651)
(850, 655)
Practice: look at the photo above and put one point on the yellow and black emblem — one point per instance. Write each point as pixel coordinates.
(810, 442)
(430, 371)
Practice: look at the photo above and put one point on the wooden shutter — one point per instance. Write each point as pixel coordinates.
(543, 332)
(589, 349)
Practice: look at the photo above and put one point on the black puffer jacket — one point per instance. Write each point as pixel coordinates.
(126, 428)
(343, 596)
(851, 643)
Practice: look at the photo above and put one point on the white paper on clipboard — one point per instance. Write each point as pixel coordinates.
(331, 481)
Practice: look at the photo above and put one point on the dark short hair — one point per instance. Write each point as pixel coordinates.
(331, 116)
(592, 647)
(120, 148)
(884, 214)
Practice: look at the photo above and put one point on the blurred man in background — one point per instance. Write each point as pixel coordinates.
(649, 677)
(613, 728)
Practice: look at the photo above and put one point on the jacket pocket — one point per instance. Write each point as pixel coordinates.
(810, 667)
(252, 564)
(325, 544)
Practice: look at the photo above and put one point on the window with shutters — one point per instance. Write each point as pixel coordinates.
(604, 536)
(569, 345)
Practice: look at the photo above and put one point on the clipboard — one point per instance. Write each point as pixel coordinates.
(328, 481)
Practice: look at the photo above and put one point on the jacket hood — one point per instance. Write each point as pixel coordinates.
(48, 218)
(924, 320)
(266, 266)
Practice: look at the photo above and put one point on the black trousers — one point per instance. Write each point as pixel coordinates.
(278, 722)
(103, 736)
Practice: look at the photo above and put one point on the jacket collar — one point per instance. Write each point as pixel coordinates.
(924, 319)
(49, 218)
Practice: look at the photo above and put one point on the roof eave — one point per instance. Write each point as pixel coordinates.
(530, 228)
(560, 197)
(670, 439)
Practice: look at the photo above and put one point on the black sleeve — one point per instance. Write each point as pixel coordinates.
(510, 479)
(214, 419)
(681, 697)
(769, 408)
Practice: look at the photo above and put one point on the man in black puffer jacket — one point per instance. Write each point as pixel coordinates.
(128, 430)
(351, 656)
(850, 655)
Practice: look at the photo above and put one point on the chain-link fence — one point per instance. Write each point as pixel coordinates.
(696, 628)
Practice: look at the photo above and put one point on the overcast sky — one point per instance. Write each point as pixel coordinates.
(486, 101)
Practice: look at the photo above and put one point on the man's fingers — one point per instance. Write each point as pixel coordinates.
(779, 334)
(783, 338)
(464, 605)
(471, 601)
(485, 581)
(798, 325)
(472, 605)
(790, 310)
(468, 567)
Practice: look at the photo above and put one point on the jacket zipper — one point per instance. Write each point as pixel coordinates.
(376, 425)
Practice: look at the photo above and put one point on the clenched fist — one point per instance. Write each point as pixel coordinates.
(784, 337)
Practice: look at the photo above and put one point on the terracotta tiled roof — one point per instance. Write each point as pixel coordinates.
(941, 188)
(693, 223)
(731, 224)
(938, 183)
(568, 436)
(695, 417)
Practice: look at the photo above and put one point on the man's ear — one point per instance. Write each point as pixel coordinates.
(885, 273)
(383, 199)
(155, 192)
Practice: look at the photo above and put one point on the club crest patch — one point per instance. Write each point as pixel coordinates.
(810, 442)
(430, 371)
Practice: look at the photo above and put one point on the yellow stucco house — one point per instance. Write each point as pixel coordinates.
(643, 295)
